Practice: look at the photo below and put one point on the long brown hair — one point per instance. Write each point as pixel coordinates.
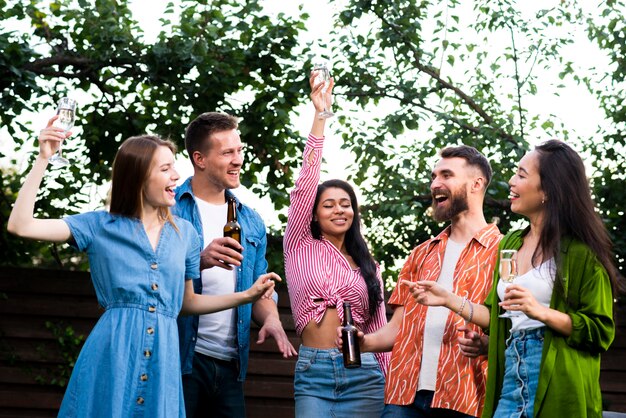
(131, 169)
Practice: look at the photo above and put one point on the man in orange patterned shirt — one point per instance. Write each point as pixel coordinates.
(434, 369)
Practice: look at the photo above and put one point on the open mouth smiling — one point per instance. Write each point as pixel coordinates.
(440, 197)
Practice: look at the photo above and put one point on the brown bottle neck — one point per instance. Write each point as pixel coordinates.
(232, 210)
(347, 314)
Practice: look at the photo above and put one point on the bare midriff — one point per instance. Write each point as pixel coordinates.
(324, 334)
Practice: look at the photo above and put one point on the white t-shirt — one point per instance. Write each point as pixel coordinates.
(436, 318)
(217, 332)
(540, 281)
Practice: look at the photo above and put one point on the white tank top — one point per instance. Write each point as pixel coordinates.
(540, 281)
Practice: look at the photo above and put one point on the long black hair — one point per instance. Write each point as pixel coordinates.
(570, 210)
(355, 243)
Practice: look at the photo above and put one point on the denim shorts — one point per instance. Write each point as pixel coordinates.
(325, 388)
(521, 374)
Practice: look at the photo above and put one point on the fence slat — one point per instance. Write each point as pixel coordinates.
(28, 349)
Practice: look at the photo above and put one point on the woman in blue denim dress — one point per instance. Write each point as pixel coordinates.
(545, 360)
(141, 260)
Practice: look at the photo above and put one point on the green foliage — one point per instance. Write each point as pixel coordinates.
(443, 73)
(69, 346)
(21, 252)
(221, 55)
(412, 77)
(609, 156)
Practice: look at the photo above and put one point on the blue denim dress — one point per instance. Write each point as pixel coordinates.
(130, 365)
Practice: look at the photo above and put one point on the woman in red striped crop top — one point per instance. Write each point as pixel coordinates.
(328, 262)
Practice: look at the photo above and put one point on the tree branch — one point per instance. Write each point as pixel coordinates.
(518, 83)
(41, 65)
(443, 115)
(445, 84)
(45, 66)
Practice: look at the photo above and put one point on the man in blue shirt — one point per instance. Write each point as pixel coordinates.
(214, 348)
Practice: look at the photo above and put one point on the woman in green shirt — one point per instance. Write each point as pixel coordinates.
(545, 361)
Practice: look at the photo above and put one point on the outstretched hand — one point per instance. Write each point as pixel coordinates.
(427, 292)
(274, 329)
(51, 137)
(321, 94)
(263, 287)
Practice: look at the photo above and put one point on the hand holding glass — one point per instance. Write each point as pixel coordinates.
(66, 110)
(508, 273)
(323, 75)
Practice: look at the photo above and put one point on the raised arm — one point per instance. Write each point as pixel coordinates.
(320, 99)
(302, 197)
(22, 221)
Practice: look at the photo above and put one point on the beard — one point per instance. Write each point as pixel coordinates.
(458, 204)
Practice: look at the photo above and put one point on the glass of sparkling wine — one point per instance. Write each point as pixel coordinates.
(323, 75)
(66, 110)
(508, 273)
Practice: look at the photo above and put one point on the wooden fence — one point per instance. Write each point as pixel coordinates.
(43, 312)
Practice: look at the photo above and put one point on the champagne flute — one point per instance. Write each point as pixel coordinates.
(323, 75)
(66, 110)
(508, 273)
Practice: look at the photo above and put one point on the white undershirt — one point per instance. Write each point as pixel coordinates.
(217, 332)
(436, 318)
(540, 282)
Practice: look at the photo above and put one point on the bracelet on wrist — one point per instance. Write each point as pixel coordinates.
(460, 312)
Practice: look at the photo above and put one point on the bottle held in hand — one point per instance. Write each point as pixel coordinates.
(351, 350)
(232, 228)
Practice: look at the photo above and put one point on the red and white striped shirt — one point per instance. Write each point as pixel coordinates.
(316, 269)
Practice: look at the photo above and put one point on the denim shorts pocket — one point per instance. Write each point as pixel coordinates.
(368, 361)
(303, 364)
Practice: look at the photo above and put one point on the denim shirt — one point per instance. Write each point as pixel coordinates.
(254, 242)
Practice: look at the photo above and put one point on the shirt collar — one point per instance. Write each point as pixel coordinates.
(484, 237)
(185, 189)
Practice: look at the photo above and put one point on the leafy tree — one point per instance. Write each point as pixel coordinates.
(609, 155)
(221, 55)
(413, 76)
(439, 73)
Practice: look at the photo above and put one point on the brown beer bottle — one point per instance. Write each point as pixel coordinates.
(232, 228)
(351, 350)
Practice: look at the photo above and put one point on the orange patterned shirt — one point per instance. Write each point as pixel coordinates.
(460, 380)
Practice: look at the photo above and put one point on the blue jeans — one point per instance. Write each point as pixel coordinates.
(212, 389)
(521, 374)
(324, 388)
(420, 408)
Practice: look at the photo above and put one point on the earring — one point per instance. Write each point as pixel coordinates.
(543, 200)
